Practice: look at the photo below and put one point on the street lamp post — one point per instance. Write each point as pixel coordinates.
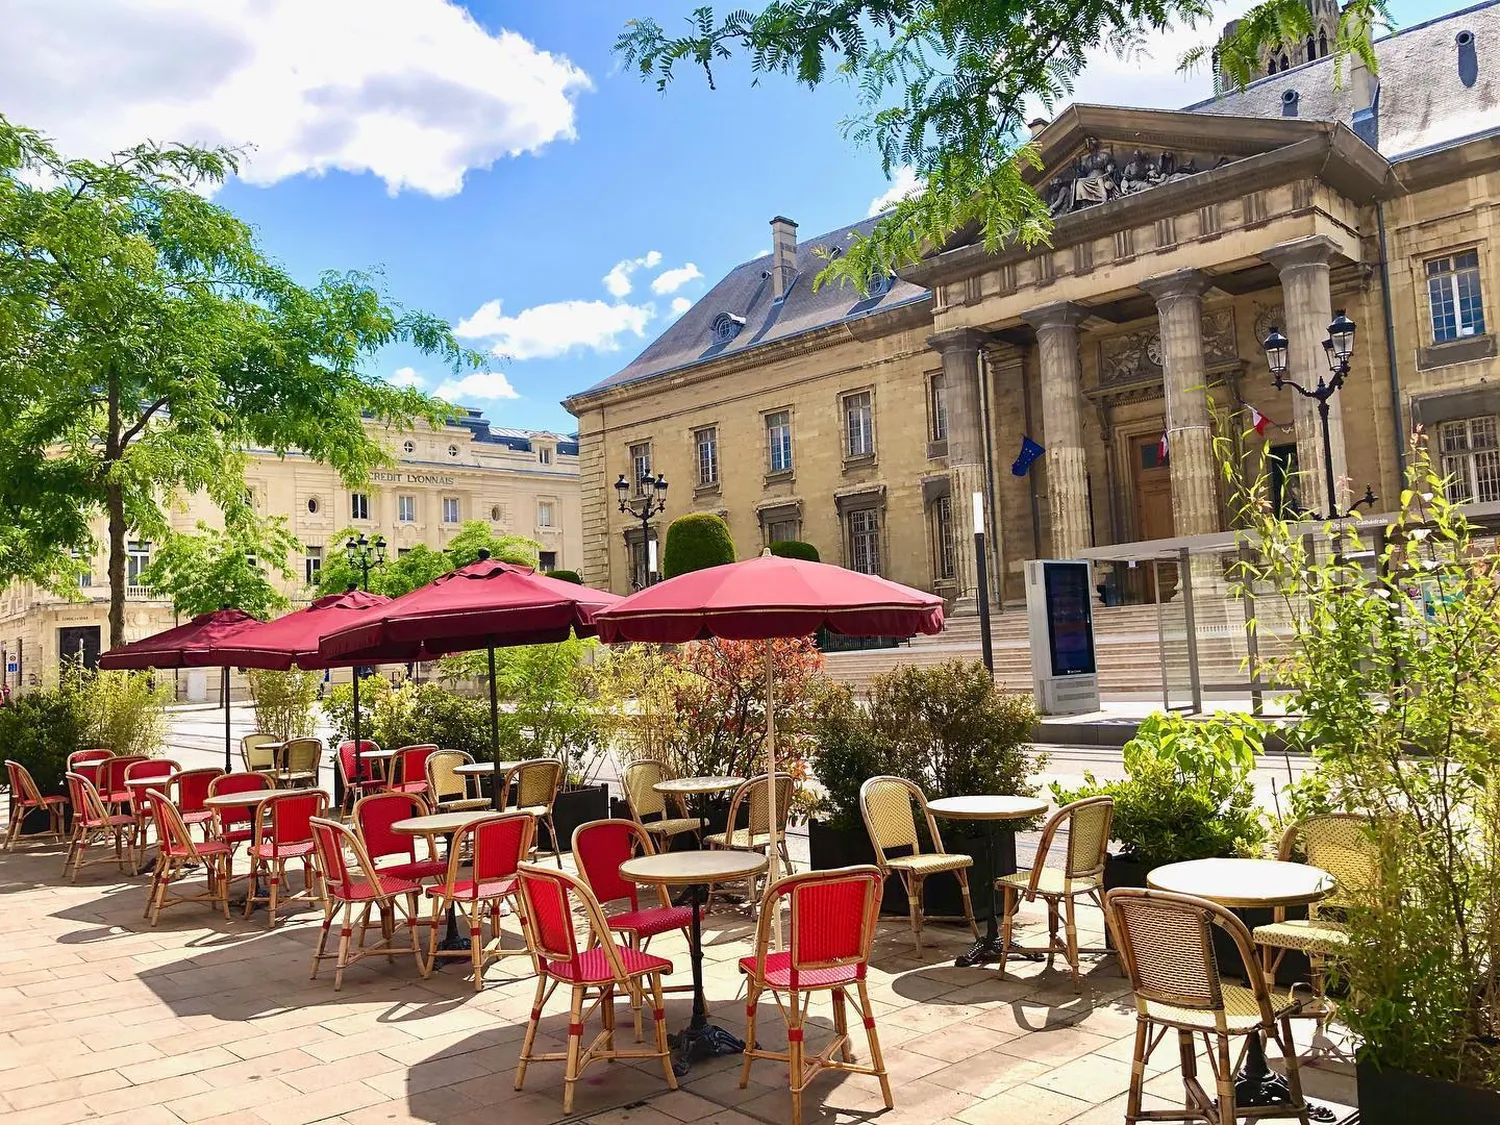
(650, 501)
(363, 555)
(1337, 349)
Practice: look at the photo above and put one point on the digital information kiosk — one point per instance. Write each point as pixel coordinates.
(1059, 610)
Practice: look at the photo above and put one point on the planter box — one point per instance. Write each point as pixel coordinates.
(572, 808)
(830, 848)
(38, 822)
(1393, 1097)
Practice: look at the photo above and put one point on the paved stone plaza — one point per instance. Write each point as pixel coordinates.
(103, 1018)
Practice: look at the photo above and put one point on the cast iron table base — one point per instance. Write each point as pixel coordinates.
(1259, 1085)
(700, 1039)
(987, 949)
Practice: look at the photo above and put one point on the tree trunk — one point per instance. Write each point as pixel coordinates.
(115, 506)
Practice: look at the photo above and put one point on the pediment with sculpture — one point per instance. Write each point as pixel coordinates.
(1103, 171)
(1134, 359)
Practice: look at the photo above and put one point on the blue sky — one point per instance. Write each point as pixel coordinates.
(384, 133)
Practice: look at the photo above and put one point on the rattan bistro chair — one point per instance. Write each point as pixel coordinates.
(449, 791)
(1166, 946)
(1340, 844)
(886, 805)
(255, 755)
(301, 756)
(1080, 876)
(25, 797)
(664, 818)
(536, 782)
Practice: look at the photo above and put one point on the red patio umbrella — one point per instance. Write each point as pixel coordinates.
(292, 641)
(763, 599)
(192, 644)
(487, 604)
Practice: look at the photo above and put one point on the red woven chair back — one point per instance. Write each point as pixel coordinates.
(548, 912)
(289, 816)
(190, 788)
(346, 756)
(22, 784)
(500, 843)
(116, 770)
(334, 843)
(149, 768)
(373, 817)
(599, 847)
(170, 829)
(238, 783)
(833, 916)
(413, 761)
(89, 763)
(85, 799)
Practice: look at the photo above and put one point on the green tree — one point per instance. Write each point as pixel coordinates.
(421, 564)
(145, 339)
(694, 542)
(946, 87)
(208, 568)
(476, 536)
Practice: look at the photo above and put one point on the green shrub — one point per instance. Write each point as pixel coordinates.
(124, 711)
(566, 576)
(285, 701)
(848, 753)
(695, 542)
(794, 549)
(40, 729)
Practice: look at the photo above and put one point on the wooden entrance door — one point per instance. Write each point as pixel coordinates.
(1153, 509)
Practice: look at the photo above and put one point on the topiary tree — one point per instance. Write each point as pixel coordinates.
(566, 576)
(695, 542)
(795, 549)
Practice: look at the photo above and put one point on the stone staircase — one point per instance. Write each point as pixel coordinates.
(1128, 650)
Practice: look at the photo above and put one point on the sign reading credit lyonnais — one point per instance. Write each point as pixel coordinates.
(412, 478)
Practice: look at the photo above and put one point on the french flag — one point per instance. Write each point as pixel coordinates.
(1259, 421)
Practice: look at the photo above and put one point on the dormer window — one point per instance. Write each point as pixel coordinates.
(544, 455)
(881, 285)
(726, 327)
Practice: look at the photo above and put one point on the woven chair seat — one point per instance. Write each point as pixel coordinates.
(779, 973)
(271, 850)
(741, 839)
(593, 966)
(928, 864)
(417, 869)
(207, 848)
(295, 777)
(1242, 1013)
(672, 826)
(417, 787)
(465, 804)
(1318, 935)
(530, 810)
(653, 920)
(362, 890)
(469, 892)
(1051, 882)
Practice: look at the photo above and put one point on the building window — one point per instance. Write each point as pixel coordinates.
(497, 513)
(85, 578)
(544, 455)
(137, 559)
(779, 440)
(1281, 464)
(1453, 290)
(938, 407)
(639, 572)
(864, 541)
(408, 447)
(402, 552)
(406, 509)
(640, 466)
(1471, 458)
(1322, 42)
(359, 505)
(707, 442)
(859, 425)
(450, 509)
(547, 560)
(312, 505)
(312, 565)
(945, 559)
(783, 531)
(544, 513)
(453, 451)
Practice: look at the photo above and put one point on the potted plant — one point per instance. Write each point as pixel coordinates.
(1396, 667)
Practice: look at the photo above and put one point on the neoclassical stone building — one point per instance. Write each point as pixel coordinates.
(864, 424)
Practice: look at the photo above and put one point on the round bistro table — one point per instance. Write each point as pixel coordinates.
(1251, 884)
(699, 787)
(486, 773)
(251, 798)
(695, 871)
(992, 810)
(430, 827)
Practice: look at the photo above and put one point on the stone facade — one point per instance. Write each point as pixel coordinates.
(519, 482)
(1180, 239)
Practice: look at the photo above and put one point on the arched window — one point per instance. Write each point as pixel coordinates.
(1322, 43)
(1312, 49)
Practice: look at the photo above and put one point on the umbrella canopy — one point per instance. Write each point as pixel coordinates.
(485, 603)
(192, 644)
(293, 640)
(767, 597)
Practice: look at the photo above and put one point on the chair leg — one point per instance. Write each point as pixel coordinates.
(877, 1060)
(752, 1007)
(278, 872)
(794, 1035)
(659, 1018)
(556, 843)
(607, 1015)
(1228, 1111)
(1008, 907)
(1070, 930)
(344, 932)
(914, 904)
(1187, 1061)
(1137, 1072)
(1293, 1069)
(413, 915)
(14, 828)
(575, 1044)
(476, 944)
(963, 889)
(841, 1023)
(530, 1040)
(1052, 923)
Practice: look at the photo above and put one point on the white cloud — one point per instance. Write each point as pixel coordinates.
(547, 331)
(617, 280)
(479, 385)
(406, 377)
(669, 281)
(415, 92)
(905, 183)
(680, 305)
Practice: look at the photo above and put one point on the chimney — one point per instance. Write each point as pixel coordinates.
(1364, 93)
(783, 256)
(1036, 125)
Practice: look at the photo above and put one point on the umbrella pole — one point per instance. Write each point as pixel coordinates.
(773, 870)
(496, 781)
(224, 684)
(359, 761)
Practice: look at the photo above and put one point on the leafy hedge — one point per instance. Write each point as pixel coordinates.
(566, 576)
(794, 549)
(696, 542)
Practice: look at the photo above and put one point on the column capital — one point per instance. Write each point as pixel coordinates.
(957, 341)
(1059, 314)
(1178, 283)
(1314, 250)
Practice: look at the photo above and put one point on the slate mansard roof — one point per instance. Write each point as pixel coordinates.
(1433, 92)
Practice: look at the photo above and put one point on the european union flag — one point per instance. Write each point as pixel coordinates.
(1030, 451)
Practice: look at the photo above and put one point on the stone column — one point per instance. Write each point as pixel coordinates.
(1062, 425)
(1305, 296)
(1190, 454)
(959, 348)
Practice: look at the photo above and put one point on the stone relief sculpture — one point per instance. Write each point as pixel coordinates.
(1095, 177)
(1135, 357)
